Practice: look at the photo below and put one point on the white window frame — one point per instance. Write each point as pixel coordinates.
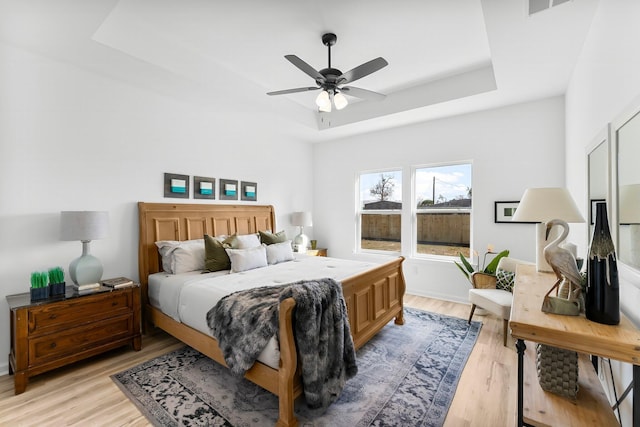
(415, 210)
(360, 210)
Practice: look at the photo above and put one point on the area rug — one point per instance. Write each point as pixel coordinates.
(407, 376)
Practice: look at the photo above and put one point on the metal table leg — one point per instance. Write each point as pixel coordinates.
(636, 395)
(521, 347)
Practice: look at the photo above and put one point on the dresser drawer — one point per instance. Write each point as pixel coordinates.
(71, 313)
(76, 340)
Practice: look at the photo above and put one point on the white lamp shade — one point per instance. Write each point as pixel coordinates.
(301, 219)
(83, 225)
(629, 205)
(545, 204)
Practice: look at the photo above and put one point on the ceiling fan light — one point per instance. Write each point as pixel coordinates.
(325, 108)
(323, 100)
(340, 101)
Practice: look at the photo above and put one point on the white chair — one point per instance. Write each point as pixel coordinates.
(489, 291)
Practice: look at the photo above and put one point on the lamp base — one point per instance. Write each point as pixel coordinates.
(300, 243)
(85, 269)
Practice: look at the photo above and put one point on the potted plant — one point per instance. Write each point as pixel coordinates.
(468, 270)
(39, 285)
(56, 281)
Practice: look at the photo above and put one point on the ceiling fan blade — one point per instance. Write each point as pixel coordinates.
(308, 69)
(362, 70)
(299, 89)
(363, 93)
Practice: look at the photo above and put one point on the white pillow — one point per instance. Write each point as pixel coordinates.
(247, 241)
(247, 259)
(279, 252)
(181, 256)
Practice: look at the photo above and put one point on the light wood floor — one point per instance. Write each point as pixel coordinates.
(84, 395)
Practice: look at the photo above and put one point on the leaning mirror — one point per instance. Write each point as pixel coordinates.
(597, 176)
(627, 135)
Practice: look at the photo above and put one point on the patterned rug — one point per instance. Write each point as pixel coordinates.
(407, 376)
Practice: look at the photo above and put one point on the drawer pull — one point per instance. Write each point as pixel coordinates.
(114, 303)
(52, 345)
(52, 316)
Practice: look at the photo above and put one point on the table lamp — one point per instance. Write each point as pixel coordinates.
(301, 219)
(84, 226)
(629, 214)
(541, 205)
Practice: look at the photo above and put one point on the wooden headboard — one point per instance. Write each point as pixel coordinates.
(176, 221)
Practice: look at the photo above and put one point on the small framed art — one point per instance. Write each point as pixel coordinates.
(176, 185)
(204, 188)
(249, 191)
(504, 212)
(228, 189)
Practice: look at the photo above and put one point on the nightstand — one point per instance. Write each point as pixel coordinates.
(317, 252)
(51, 333)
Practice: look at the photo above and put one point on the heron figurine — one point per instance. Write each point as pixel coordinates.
(564, 266)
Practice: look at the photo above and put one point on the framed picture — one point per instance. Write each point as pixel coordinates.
(249, 191)
(592, 213)
(204, 188)
(504, 212)
(228, 189)
(176, 185)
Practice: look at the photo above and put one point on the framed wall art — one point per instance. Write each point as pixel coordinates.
(249, 191)
(204, 188)
(176, 185)
(228, 189)
(504, 212)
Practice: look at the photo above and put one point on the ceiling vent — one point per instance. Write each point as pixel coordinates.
(535, 6)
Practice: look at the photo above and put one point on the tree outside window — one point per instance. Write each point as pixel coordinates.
(380, 211)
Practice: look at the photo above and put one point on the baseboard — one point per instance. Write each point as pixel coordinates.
(4, 369)
(443, 297)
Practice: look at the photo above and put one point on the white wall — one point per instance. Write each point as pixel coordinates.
(605, 81)
(511, 149)
(74, 140)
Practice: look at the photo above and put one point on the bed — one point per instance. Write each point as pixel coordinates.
(373, 297)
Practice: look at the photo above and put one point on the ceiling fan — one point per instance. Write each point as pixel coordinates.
(331, 80)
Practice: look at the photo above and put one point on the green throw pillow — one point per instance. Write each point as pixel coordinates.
(215, 255)
(269, 238)
(505, 280)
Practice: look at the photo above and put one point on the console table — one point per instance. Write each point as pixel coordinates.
(576, 333)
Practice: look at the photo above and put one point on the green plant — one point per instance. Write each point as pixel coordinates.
(39, 279)
(56, 275)
(468, 269)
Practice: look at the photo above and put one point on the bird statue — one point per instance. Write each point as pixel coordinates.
(564, 266)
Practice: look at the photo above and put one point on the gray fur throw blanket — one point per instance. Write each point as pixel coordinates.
(243, 323)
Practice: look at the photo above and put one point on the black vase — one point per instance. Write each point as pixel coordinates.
(602, 302)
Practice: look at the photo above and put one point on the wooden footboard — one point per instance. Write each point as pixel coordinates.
(373, 298)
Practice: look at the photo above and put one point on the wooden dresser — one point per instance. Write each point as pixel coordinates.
(529, 323)
(52, 333)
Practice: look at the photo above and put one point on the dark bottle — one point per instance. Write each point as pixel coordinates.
(602, 302)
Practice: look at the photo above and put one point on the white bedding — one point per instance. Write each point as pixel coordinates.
(187, 297)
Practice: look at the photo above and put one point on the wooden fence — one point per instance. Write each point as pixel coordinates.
(436, 228)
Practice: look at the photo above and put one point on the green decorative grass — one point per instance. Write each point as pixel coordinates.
(56, 275)
(39, 279)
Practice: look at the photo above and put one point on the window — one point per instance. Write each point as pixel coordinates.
(380, 211)
(443, 210)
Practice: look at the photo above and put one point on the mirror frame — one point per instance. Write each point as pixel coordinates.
(603, 138)
(627, 273)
